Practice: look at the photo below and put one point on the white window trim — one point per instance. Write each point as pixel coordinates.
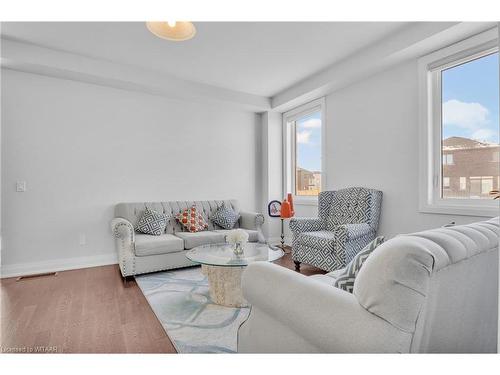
(430, 200)
(289, 150)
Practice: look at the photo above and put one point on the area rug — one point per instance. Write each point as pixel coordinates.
(181, 302)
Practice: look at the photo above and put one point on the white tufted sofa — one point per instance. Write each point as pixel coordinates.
(432, 291)
(141, 253)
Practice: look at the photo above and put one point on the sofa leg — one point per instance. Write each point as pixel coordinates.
(297, 265)
(126, 280)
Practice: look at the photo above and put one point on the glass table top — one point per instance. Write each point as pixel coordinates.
(223, 255)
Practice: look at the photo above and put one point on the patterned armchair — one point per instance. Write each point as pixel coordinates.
(348, 221)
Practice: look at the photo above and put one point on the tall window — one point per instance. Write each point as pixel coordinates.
(469, 122)
(303, 134)
(459, 100)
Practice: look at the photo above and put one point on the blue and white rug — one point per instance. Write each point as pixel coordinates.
(181, 302)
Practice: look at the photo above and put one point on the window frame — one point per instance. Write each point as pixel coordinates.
(430, 126)
(289, 149)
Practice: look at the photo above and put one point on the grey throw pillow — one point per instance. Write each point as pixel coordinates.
(346, 279)
(152, 222)
(225, 217)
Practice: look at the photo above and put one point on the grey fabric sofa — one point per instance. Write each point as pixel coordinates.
(142, 253)
(434, 291)
(347, 221)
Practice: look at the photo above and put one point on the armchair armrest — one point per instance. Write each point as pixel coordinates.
(352, 231)
(294, 313)
(305, 224)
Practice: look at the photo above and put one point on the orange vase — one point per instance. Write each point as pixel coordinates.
(286, 211)
(290, 200)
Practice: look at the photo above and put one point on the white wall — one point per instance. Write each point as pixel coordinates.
(372, 141)
(272, 169)
(81, 148)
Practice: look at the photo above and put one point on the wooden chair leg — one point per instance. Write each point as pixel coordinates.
(297, 265)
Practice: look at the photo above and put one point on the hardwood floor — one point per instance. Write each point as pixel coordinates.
(84, 311)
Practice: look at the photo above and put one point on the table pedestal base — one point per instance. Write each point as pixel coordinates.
(224, 284)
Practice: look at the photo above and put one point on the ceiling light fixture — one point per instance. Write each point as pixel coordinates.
(172, 30)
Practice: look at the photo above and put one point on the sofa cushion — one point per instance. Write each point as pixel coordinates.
(253, 235)
(192, 220)
(345, 280)
(225, 217)
(152, 222)
(153, 245)
(200, 238)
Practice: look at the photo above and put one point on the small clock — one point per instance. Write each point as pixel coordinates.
(274, 208)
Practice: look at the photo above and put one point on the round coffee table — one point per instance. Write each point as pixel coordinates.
(224, 269)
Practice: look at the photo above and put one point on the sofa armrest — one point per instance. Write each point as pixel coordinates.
(124, 234)
(294, 313)
(253, 221)
(305, 224)
(123, 229)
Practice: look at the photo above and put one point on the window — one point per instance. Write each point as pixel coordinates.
(463, 183)
(448, 159)
(303, 135)
(459, 102)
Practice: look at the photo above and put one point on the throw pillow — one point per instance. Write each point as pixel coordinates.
(152, 222)
(191, 220)
(225, 217)
(345, 280)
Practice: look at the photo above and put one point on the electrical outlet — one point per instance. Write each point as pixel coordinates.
(21, 186)
(82, 239)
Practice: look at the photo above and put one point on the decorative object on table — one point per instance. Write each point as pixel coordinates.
(191, 220)
(194, 322)
(152, 222)
(238, 238)
(225, 217)
(348, 221)
(286, 210)
(495, 194)
(290, 200)
(345, 280)
(274, 209)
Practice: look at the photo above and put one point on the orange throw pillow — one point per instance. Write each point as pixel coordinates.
(192, 220)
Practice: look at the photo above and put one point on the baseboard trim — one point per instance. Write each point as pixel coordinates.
(21, 269)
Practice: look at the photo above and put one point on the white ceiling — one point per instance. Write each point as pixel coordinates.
(257, 58)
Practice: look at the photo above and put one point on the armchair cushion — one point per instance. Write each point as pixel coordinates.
(349, 206)
(345, 279)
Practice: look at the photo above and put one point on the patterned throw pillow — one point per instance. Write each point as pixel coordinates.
(225, 217)
(152, 222)
(192, 220)
(346, 279)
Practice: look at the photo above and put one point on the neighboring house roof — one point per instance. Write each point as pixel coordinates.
(461, 143)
